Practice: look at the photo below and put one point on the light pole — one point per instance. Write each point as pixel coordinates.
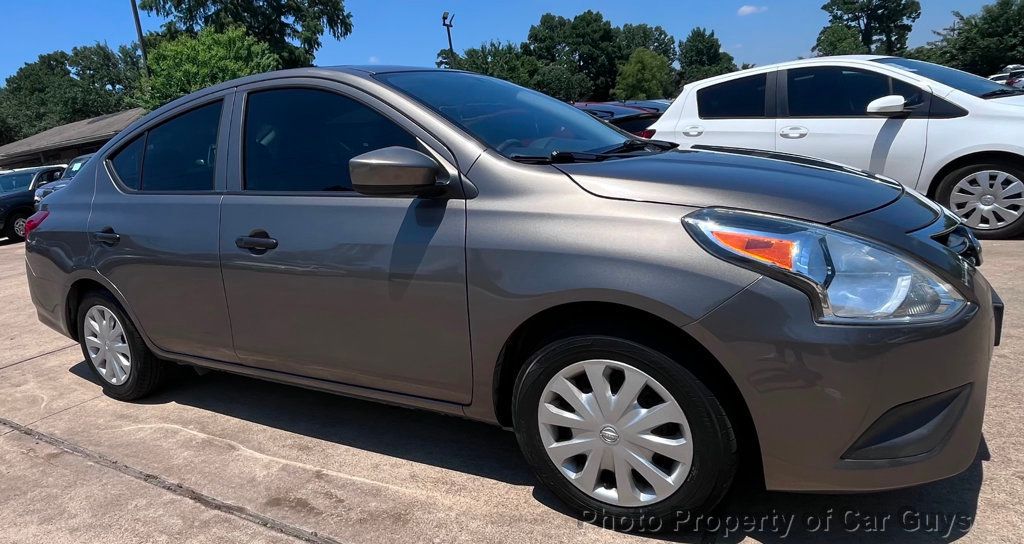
(138, 31)
(447, 22)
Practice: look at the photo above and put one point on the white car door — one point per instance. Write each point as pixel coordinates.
(824, 115)
(734, 113)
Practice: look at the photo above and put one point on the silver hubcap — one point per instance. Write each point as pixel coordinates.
(615, 433)
(19, 226)
(107, 345)
(987, 200)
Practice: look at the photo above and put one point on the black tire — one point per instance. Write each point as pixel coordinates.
(147, 373)
(945, 190)
(9, 226)
(715, 447)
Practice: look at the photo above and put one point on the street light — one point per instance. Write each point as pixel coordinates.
(447, 23)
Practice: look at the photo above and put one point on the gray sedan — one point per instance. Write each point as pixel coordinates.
(650, 322)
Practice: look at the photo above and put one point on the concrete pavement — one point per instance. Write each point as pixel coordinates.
(222, 458)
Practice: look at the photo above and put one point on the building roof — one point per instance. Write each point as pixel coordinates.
(96, 129)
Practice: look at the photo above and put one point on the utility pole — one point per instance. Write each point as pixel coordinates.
(447, 22)
(142, 43)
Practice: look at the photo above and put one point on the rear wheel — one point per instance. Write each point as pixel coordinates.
(15, 228)
(622, 433)
(989, 198)
(115, 351)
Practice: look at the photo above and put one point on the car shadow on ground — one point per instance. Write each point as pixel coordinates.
(938, 512)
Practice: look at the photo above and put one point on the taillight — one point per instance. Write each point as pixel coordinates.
(34, 221)
(646, 133)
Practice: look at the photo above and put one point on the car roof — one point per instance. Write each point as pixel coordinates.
(851, 60)
(34, 169)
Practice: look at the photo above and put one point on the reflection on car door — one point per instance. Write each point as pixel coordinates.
(824, 115)
(367, 291)
(154, 229)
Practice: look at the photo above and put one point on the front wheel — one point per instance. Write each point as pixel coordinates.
(622, 433)
(989, 198)
(15, 228)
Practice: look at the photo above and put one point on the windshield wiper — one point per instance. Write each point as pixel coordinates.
(1001, 92)
(560, 157)
(636, 144)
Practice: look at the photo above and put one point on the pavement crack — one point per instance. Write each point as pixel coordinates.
(180, 490)
(9, 365)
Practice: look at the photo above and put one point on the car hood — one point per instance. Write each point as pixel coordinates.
(776, 183)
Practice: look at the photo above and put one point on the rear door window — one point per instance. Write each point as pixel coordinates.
(742, 98)
(127, 163)
(835, 91)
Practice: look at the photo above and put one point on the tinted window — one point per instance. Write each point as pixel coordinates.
(180, 154)
(739, 98)
(506, 117)
(635, 124)
(15, 182)
(833, 91)
(968, 83)
(127, 163)
(302, 139)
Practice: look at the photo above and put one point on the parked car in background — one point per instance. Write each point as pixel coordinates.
(634, 119)
(1015, 79)
(999, 78)
(949, 134)
(16, 190)
(647, 320)
(69, 173)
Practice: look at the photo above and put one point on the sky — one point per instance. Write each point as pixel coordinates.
(409, 32)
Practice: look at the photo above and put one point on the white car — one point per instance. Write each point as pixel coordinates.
(957, 137)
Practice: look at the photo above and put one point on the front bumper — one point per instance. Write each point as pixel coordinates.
(855, 408)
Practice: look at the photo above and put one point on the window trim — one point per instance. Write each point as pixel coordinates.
(769, 97)
(919, 112)
(432, 144)
(143, 132)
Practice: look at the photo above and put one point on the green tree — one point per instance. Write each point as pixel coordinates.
(187, 64)
(62, 87)
(654, 38)
(701, 56)
(291, 28)
(563, 82)
(839, 39)
(645, 75)
(981, 43)
(883, 25)
(586, 45)
(502, 60)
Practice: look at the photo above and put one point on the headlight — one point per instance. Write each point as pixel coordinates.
(850, 279)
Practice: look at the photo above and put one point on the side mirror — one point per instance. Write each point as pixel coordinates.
(394, 171)
(893, 104)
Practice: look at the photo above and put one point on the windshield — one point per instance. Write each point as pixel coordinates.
(968, 83)
(10, 183)
(73, 168)
(514, 121)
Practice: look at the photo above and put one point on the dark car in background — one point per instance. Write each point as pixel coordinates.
(633, 118)
(16, 194)
(69, 173)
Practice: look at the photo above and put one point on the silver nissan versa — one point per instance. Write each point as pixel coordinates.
(647, 320)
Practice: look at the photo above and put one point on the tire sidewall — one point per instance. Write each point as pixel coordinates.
(709, 445)
(9, 227)
(945, 191)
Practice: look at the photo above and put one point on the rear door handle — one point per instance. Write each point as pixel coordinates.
(106, 236)
(693, 131)
(793, 132)
(256, 243)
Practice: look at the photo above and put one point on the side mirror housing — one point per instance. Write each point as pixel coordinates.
(893, 104)
(394, 171)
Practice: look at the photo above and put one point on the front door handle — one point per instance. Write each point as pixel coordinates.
(257, 242)
(793, 132)
(106, 236)
(693, 131)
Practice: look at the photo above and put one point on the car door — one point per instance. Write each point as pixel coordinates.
(153, 229)
(734, 113)
(824, 115)
(366, 291)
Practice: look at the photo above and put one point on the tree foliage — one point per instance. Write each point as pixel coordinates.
(62, 87)
(839, 39)
(883, 25)
(188, 64)
(701, 56)
(645, 75)
(982, 43)
(291, 28)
